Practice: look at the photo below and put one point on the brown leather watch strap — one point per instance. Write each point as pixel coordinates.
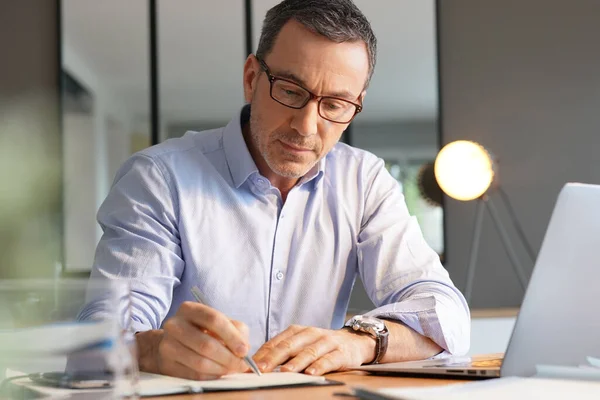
(380, 346)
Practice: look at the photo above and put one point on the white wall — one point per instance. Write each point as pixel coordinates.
(94, 147)
(79, 190)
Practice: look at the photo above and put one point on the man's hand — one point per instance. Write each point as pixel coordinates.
(197, 343)
(315, 351)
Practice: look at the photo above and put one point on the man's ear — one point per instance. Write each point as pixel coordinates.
(251, 74)
(362, 96)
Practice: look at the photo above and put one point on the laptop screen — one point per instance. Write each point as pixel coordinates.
(559, 321)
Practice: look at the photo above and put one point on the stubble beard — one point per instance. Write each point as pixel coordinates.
(295, 168)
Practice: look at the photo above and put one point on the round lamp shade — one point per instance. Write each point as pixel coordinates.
(428, 187)
(464, 170)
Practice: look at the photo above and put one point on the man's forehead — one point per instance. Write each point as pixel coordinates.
(301, 55)
(296, 42)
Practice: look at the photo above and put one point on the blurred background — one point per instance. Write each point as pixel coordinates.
(84, 84)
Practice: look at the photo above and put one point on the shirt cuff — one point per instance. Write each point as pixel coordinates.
(448, 328)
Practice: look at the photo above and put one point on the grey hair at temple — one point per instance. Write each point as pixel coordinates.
(337, 20)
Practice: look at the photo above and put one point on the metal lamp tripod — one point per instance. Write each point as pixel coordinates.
(486, 201)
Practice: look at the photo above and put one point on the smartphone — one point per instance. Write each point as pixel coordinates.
(80, 380)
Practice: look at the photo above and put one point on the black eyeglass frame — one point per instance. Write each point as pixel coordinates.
(272, 78)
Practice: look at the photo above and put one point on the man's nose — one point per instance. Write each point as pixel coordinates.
(305, 120)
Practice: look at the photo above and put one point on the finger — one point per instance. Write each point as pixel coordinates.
(209, 347)
(332, 361)
(270, 345)
(174, 356)
(188, 373)
(309, 354)
(178, 370)
(290, 347)
(243, 328)
(180, 330)
(208, 318)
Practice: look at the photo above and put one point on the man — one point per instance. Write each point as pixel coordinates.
(272, 220)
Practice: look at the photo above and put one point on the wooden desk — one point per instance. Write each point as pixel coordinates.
(352, 378)
(494, 312)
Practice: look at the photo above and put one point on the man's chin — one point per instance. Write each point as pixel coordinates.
(292, 170)
(290, 173)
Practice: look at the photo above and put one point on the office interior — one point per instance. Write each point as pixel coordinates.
(84, 84)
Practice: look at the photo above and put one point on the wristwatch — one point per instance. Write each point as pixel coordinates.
(374, 327)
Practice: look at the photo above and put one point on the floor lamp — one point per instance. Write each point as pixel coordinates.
(466, 171)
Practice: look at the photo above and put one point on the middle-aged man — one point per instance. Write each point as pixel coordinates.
(272, 220)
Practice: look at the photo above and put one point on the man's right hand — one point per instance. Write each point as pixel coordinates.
(197, 343)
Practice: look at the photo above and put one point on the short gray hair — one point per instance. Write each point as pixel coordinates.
(337, 20)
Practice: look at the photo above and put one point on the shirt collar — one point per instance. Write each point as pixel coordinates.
(240, 162)
(315, 173)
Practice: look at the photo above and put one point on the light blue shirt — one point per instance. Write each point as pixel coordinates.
(196, 211)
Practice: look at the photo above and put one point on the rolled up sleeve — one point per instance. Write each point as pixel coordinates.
(402, 275)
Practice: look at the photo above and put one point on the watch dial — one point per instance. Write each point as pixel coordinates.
(370, 322)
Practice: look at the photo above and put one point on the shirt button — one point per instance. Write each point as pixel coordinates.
(279, 276)
(262, 183)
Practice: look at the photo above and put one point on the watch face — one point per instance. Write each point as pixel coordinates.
(369, 323)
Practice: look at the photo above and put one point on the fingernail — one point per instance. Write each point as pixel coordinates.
(288, 367)
(310, 371)
(262, 366)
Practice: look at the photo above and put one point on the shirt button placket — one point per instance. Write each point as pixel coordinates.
(280, 251)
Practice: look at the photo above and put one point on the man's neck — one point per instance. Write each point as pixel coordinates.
(283, 184)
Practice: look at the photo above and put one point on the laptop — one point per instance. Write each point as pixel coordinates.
(558, 323)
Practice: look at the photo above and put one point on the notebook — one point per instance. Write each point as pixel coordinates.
(161, 385)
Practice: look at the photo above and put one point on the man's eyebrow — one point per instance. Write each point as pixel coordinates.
(343, 94)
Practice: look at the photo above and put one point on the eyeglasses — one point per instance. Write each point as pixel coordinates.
(290, 94)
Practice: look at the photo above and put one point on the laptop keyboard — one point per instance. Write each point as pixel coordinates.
(491, 363)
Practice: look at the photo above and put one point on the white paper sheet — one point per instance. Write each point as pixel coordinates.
(594, 362)
(584, 372)
(500, 389)
(156, 385)
(151, 385)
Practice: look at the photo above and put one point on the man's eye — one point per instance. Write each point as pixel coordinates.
(334, 105)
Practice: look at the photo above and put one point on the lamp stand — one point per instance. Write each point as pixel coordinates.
(486, 201)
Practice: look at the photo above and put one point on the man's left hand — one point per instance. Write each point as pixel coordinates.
(315, 351)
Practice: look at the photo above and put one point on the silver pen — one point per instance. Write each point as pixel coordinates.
(198, 296)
